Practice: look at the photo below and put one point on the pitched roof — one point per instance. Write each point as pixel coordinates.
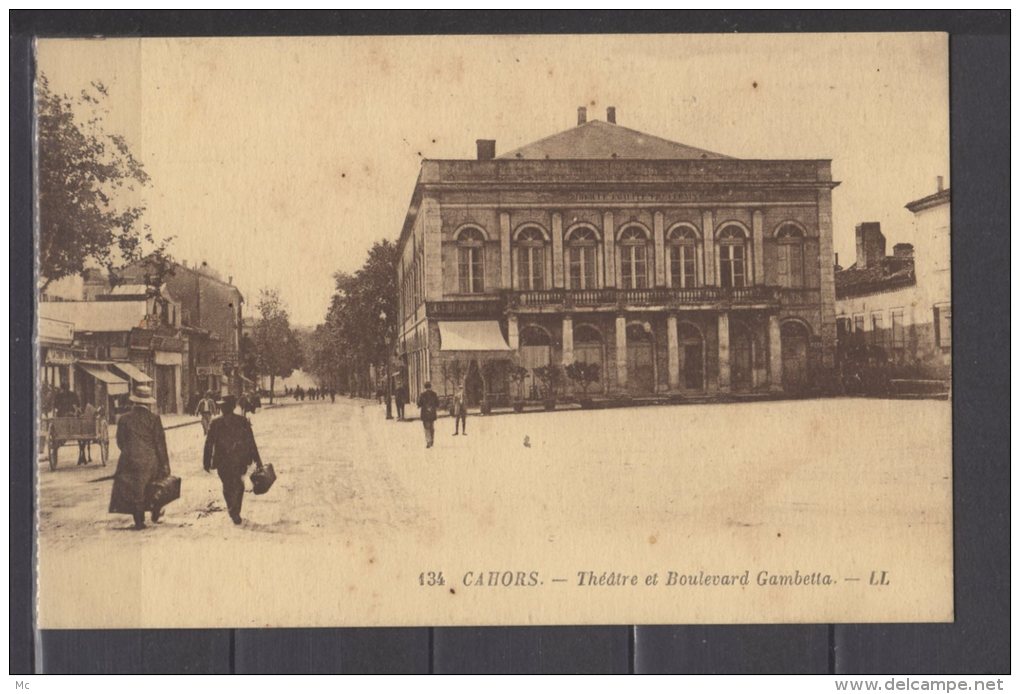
(939, 198)
(888, 274)
(96, 316)
(597, 139)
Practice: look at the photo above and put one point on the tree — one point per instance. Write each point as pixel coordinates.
(277, 349)
(360, 325)
(583, 374)
(85, 174)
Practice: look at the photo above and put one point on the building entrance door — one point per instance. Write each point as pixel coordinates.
(534, 357)
(692, 367)
(640, 360)
(795, 357)
(473, 389)
(741, 357)
(166, 390)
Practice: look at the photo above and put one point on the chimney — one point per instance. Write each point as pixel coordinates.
(582, 115)
(938, 183)
(870, 245)
(903, 250)
(486, 149)
(230, 280)
(611, 115)
(836, 266)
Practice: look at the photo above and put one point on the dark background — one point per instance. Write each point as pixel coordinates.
(978, 642)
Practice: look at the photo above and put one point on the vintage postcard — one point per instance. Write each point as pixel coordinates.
(493, 330)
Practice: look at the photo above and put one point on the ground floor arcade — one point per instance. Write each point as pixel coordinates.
(636, 353)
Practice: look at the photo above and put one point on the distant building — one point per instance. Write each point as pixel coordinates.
(128, 336)
(676, 270)
(212, 318)
(901, 303)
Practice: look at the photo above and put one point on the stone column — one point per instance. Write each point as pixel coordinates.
(504, 251)
(674, 352)
(621, 352)
(513, 335)
(609, 246)
(708, 233)
(775, 355)
(568, 340)
(557, 250)
(724, 352)
(659, 234)
(179, 404)
(758, 240)
(827, 285)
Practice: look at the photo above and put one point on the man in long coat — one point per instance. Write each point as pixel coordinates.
(230, 448)
(143, 458)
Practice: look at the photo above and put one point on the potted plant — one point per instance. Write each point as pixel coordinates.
(517, 374)
(584, 374)
(550, 376)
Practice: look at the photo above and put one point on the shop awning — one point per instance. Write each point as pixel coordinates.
(472, 336)
(132, 372)
(115, 385)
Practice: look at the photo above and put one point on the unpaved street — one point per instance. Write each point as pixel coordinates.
(361, 508)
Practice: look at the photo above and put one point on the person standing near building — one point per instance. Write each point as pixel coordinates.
(230, 448)
(428, 405)
(459, 411)
(402, 399)
(206, 410)
(66, 402)
(143, 458)
(88, 414)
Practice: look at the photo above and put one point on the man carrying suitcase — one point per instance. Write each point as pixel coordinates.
(143, 459)
(230, 448)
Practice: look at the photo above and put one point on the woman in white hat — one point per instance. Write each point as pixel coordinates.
(143, 458)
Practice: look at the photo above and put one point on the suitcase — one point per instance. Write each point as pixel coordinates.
(262, 479)
(162, 491)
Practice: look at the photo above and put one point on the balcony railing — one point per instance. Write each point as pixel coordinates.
(645, 297)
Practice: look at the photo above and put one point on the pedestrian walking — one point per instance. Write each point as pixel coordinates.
(332, 396)
(206, 409)
(143, 459)
(229, 449)
(402, 399)
(428, 405)
(459, 411)
(88, 414)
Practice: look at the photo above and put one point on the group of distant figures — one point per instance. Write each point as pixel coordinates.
(66, 404)
(300, 393)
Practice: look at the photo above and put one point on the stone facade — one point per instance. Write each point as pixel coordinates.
(901, 303)
(678, 276)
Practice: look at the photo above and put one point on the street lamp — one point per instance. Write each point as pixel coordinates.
(389, 381)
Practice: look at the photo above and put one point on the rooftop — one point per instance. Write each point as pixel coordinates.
(96, 316)
(940, 198)
(597, 139)
(888, 274)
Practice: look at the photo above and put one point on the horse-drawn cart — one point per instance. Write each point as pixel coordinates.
(61, 430)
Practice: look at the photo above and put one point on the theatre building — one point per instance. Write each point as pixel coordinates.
(677, 270)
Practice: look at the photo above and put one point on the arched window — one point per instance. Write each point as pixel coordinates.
(732, 243)
(582, 258)
(634, 254)
(471, 260)
(530, 254)
(682, 253)
(790, 256)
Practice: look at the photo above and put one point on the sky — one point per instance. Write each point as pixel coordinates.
(279, 161)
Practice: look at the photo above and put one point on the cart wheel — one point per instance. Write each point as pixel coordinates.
(53, 446)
